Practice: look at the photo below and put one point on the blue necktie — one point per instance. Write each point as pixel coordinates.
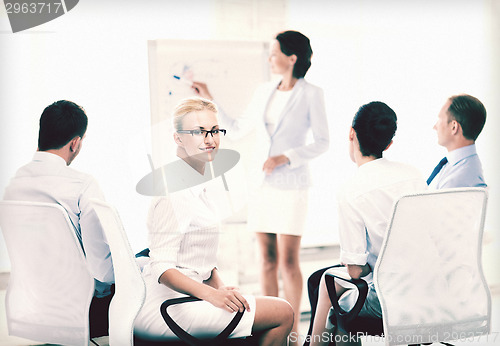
(437, 169)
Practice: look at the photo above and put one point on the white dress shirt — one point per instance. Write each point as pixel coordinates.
(48, 179)
(365, 207)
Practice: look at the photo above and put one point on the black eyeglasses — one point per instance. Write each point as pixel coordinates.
(199, 132)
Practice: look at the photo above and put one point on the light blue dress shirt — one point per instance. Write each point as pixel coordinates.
(462, 170)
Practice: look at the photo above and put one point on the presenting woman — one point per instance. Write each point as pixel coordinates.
(183, 240)
(284, 114)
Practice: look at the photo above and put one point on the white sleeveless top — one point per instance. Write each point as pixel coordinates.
(275, 108)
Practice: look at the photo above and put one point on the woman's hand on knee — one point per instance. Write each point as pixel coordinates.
(228, 298)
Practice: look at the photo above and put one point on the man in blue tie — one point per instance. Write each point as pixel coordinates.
(459, 123)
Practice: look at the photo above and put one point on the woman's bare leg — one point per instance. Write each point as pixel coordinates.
(289, 266)
(323, 308)
(269, 263)
(273, 321)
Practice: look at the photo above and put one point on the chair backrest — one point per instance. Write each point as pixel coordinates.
(50, 288)
(429, 276)
(130, 290)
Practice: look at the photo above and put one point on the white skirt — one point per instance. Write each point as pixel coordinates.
(278, 211)
(199, 318)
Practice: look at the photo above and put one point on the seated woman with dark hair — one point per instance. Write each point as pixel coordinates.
(364, 205)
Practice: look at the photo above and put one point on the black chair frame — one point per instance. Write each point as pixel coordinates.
(348, 321)
(188, 338)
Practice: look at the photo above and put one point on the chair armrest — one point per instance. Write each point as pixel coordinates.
(188, 338)
(345, 317)
(143, 253)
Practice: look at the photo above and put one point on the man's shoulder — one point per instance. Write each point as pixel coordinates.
(463, 174)
(382, 175)
(471, 161)
(406, 169)
(386, 171)
(77, 174)
(50, 172)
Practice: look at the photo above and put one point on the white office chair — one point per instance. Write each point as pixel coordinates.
(428, 275)
(130, 289)
(50, 288)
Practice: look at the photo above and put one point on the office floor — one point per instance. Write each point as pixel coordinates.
(311, 260)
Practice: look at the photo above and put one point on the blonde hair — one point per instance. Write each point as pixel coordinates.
(188, 105)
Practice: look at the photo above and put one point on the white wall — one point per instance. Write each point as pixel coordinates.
(410, 55)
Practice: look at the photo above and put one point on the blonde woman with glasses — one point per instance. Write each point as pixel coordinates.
(183, 241)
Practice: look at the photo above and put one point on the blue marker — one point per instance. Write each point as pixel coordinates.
(183, 80)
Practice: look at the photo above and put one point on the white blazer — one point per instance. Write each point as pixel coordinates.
(304, 111)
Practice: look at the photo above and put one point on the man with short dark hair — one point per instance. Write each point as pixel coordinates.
(459, 123)
(49, 179)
